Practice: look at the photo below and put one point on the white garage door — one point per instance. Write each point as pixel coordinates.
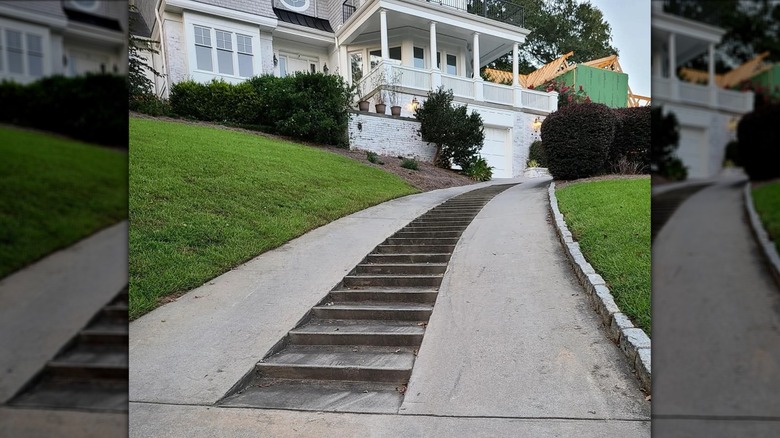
(693, 151)
(497, 153)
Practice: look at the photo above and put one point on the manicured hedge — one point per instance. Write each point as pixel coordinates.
(577, 140)
(91, 108)
(758, 133)
(632, 137)
(536, 153)
(308, 106)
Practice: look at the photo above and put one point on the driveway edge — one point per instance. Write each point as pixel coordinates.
(633, 341)
(759, 233)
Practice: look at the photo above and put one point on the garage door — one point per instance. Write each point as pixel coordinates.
(497, 153)
(693, 151)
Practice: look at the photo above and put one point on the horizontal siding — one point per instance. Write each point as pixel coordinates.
(257, 7)
(51, 8)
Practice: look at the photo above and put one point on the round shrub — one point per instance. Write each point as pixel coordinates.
(577, 139)
(758, 134)
(632, 138)
(190, 99)
(536, 153)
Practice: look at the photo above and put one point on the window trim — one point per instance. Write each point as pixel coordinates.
(193, 20)
(310, 60)
(25, 30)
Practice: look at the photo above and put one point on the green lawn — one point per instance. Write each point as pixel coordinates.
(204, 200)
(767, 201)
(611, 221)
(54, 193)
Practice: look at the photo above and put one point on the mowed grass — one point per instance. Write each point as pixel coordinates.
(767, 202)
(54, 192)
(611, 221)
(204, 200)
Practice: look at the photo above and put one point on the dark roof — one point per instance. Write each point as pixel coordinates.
(303, 20)
(138, 25)
(95, 20)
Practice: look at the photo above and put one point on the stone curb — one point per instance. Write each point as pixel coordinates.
(633, 341)
(762, 237)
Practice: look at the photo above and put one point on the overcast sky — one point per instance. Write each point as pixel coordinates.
(630, 23)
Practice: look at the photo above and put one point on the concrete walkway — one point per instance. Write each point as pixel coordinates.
(512, 348)
(41, 308)
(716, 322)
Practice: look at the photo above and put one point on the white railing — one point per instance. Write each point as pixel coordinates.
(498, 93)
(694, 93)
(422, 81)
(701, 95)
(662, 88)
(736, 101)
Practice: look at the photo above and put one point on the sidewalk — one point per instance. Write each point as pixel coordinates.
(512, 348)
(716, 319)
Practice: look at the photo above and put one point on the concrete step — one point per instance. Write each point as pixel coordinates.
(401, 268)
(357, 332)
(430, 234)
(384, 295)
(447, 216)
(88, 371)
(413, 249)
(433, 280)
(89, 395)
(104, 336)
(427, 222)
(422, 241)
(432, 227)
(374, 311)
(407, 258)
(340, 362)
(318, 395)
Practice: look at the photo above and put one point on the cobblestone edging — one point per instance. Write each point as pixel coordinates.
(762, 237)
(633, 341)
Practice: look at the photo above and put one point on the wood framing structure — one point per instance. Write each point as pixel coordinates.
(732, 78)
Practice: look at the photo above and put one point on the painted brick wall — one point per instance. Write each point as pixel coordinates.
(175, 51)
(262, 7)
(386, 135)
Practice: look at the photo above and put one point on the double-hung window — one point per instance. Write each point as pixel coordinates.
(21, 52)
(223, 52)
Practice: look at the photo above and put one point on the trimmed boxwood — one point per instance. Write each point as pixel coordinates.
(536, 153)
(92, 108)
(632, 137)
(758, 134)
(577, 139)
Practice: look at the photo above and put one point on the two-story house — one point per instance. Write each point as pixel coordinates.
(423, 44)
(706, 114)
(62, 37)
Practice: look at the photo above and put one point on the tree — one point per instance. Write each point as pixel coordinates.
(458, 136)
(558, 27)
(663, 145)
(139, 83)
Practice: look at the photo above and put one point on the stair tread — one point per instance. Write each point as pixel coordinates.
(374, 305)
(359, 326)
(343, 356)
(66, 394)
(394, 275)
(387, 289)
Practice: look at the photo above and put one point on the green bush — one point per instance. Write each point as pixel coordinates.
(409, 163)
(374, 158)
(479, 170)
(663, 145)
(190, 99)
(458, 135)
(758, 133)
(577, 139)
(732, 154)
(91, 108)
(217, 101)
(536, 153)
(150, 104)
(632, 138)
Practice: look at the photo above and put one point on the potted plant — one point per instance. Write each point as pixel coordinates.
(362, 102)
(379, 100)
(378, 83)
(394, 93)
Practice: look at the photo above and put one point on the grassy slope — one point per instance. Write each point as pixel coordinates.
(611, 221)
(54, 192)
(767, 201)
(203, 200)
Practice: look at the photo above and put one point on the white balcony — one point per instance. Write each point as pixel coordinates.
(673, 90)
(420, 81)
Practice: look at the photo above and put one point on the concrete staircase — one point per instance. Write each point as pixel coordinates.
(354, 351)
(91, 371)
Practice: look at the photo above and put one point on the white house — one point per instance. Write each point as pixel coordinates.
(425, 44)
(61, 37)
(707, 114)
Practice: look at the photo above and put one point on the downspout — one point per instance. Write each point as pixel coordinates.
(162, 45)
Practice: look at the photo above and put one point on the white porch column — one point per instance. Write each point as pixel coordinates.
(479, 93)
(515, 65)
(673, 82)
(383, 32)
(711, 76)
(435, 73)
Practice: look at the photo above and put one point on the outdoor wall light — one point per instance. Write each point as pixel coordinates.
(276, 61)
(415, 104)
(537, 124)
(325, 69)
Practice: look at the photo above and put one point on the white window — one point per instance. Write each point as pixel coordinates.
(22, 51)
(283, 66)
(419, 57)
(1, 51)
(376, 55)
(356, 62)
(15, 52)
(233, 52)
(35, 55)
(291, 64)
(452, 64)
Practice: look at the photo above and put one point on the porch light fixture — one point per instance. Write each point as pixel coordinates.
(325, 68)
(537, 124)
(415, 104)
(276, 61)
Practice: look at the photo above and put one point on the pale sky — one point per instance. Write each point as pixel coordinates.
(630, 23)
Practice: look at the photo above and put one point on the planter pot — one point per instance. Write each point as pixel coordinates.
(395, 110)
(380, 108)
(363, 105)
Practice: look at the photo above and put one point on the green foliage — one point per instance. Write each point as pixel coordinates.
(374, 158)
(577, 139)
(91, 108)
(567, 94)
(632, 138)
(409, 163)
(663, 145)
(217, 101)
(732, 154)
(458, 135)
(479, 170)
(532, 163)
(758, 133)
(140, 86)
(536, 154)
